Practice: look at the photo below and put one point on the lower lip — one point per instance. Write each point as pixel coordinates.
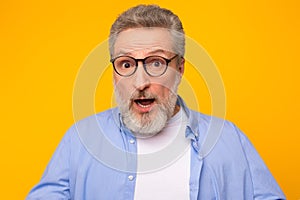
(143, 109)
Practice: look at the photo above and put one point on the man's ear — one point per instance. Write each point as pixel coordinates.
(181, 66)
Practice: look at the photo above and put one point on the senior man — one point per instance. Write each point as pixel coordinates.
(149, 146)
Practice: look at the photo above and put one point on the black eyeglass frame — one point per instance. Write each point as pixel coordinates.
(144, 64)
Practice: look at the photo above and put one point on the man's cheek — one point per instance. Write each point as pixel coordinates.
(124, 88)
(164, 85)
(123, 93)
(168, 80)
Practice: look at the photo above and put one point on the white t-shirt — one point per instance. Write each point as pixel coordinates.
(169, 154)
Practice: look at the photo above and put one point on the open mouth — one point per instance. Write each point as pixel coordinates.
(144, 103)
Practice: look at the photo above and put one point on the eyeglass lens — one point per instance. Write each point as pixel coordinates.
(154, 65)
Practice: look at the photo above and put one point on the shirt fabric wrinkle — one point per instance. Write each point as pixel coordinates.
(114, 178)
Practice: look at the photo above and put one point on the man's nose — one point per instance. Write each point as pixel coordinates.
(141, 78)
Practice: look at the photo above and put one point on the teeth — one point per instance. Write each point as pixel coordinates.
(144, 106)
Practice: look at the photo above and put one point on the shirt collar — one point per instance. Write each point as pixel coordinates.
(193, 123)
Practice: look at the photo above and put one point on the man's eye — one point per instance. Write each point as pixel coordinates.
(126, 65)
(157, 63)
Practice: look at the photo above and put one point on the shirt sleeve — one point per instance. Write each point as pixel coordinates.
(54, 183)
(264, 185)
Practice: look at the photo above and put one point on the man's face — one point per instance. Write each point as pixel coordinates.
(146, 102)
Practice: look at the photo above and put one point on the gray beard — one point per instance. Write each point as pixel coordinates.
(149, 124)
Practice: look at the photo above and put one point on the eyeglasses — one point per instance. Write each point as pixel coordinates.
(153, 65)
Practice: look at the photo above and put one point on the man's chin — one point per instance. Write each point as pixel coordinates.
(145, 124)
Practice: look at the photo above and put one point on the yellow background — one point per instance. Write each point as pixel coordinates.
(255, 45)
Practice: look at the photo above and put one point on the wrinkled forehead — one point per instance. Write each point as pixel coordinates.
(143, 41)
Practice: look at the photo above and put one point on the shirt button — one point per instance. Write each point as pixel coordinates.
(131, 141)
(130, 177)
(194, 144)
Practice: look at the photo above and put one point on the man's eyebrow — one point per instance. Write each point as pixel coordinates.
(130, 53)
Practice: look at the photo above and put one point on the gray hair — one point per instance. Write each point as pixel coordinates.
(149, 16)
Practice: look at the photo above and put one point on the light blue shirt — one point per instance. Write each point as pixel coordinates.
(97, 159)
